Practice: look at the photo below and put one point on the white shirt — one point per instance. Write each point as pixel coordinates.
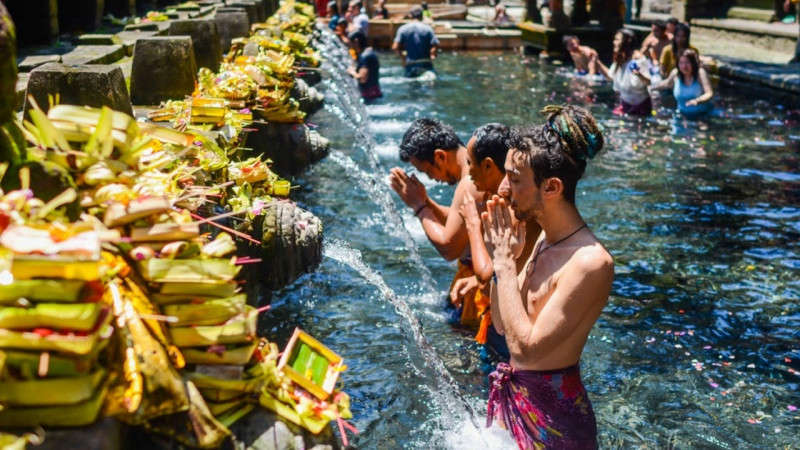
(631, 88)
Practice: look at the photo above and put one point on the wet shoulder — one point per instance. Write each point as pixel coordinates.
(465, 184)
(592, 257)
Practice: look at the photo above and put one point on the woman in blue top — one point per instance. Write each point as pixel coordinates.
(690, 85)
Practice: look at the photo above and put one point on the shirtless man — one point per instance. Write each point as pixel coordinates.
(547, 314)
(584, 58)
(655, 42)
(434, 149)
(487, 152)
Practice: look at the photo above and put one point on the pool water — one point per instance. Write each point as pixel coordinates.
(699, 345)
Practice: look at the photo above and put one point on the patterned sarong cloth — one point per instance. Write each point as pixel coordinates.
(542, 408)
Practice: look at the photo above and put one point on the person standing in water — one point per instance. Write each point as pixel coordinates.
(671, 53)
(630, 75)
(691, 86)
(333, 15)
(434, 149)
(584, 58)
(367, 67)
(382, 11)
(547, 315)
(416, 43)
(487, 152)
(655, 42)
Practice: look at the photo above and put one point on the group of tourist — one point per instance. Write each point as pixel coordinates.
(415, 43)
(664, 60)
(532, 277)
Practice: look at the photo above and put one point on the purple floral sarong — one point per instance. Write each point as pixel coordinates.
(542, 408)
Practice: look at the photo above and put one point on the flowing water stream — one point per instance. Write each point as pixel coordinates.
(700, 343)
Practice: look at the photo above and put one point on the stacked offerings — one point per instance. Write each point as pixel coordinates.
(54, 326)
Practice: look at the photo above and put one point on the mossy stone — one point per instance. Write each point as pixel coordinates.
(8, 65)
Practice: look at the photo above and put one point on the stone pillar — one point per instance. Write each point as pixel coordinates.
(686, 10)
(12, 143)
(609, 14)
(309, 98)
(8, 65)
(558, 19)
(205, 40)
(163, 69)
(248, 7)
(231, 24)
(93, 85)
(291, 147)
(533, 13)
(270, 6)
(37, 20)
(579, 15)
(80, 15)
(291, 243)
(121, 8)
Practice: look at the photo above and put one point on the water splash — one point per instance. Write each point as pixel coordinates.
(456, 423)
(345, 102)
(423, 357)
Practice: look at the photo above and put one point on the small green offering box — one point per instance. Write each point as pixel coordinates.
(310, 364)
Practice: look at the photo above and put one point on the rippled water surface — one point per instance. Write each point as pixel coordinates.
(700, 343)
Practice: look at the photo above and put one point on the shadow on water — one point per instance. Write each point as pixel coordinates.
(698, 346)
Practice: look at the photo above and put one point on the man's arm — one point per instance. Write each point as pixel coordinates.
(481, 261)
(647, 44)
(451, 238)
(497, 315)
(604, 70)
(397, 46)
(440, 211)
(414, 194)
(593, 58)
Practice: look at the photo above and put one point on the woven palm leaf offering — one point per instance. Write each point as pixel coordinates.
(54, 326)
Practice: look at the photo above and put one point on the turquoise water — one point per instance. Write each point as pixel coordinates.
(700, 343)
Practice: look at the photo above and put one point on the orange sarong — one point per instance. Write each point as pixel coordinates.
(475, 310)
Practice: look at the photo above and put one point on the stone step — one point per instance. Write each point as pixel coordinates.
(775, 29)
(34, 61)
(94, 54)
(758, 41)
(94, 85)
(98, 39)
(758, 14)
(129, 38)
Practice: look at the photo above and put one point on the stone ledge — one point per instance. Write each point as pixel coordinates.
(129, 38)
(98, 39)
(780, 30)
(159, 27)
(34, 61)
(782, 77)
(741, 12)
(93, 54)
